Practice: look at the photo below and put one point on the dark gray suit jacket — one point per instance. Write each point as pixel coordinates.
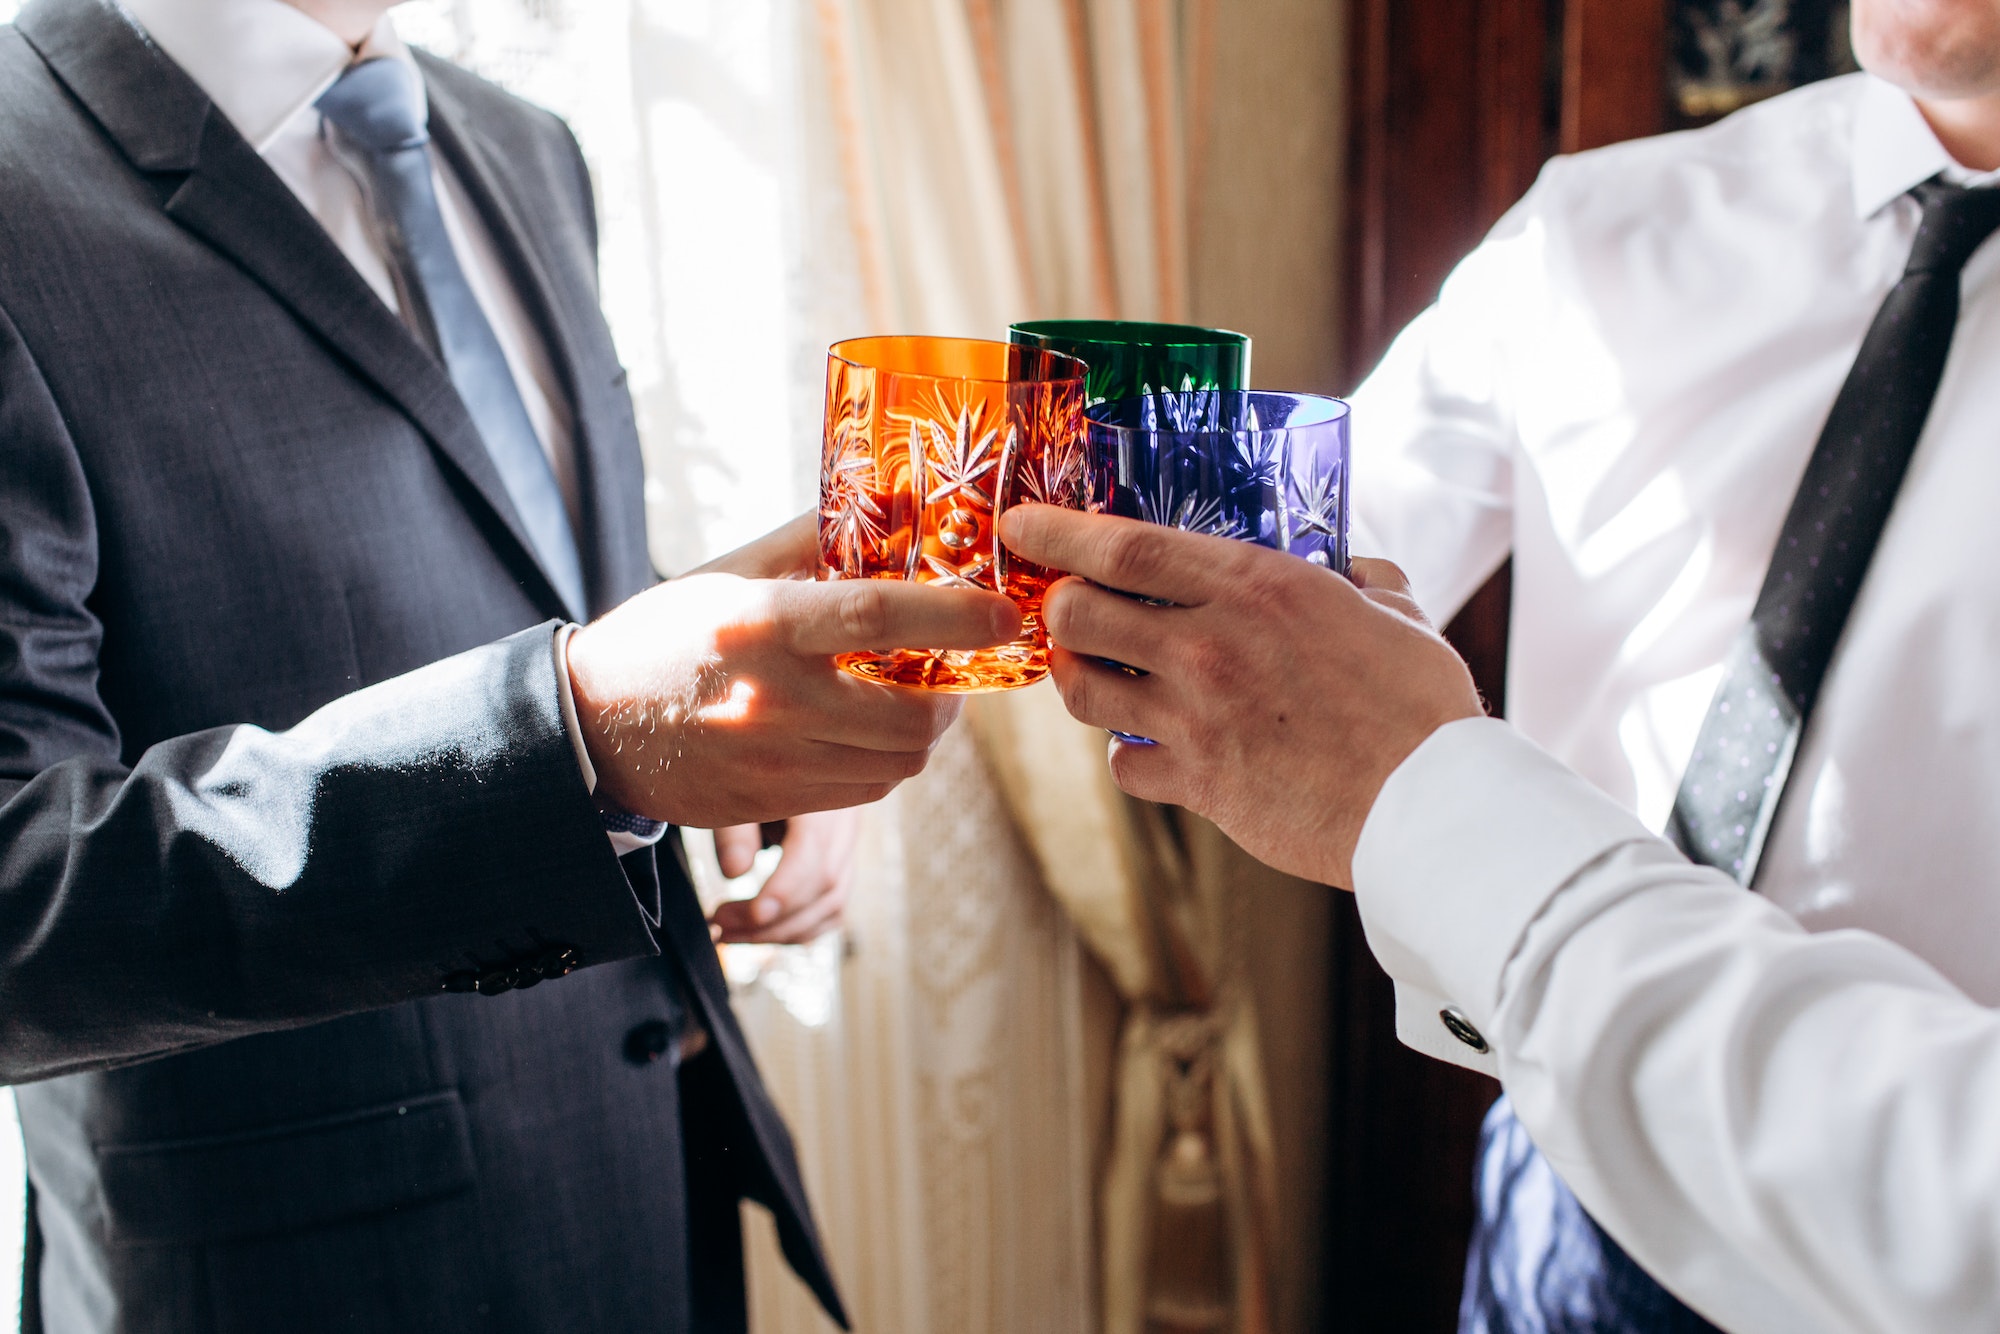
(295, 859)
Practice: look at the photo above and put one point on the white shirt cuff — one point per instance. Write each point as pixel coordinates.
(575, 729)
(628, 833)
(1466, 843)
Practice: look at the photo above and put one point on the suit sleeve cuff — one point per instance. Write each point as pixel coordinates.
(1468, 840)
(479, 857)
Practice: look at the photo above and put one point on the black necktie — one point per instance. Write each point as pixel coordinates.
(378, 107)
(1729, 794)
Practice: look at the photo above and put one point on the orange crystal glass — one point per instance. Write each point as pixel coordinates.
(928, 441)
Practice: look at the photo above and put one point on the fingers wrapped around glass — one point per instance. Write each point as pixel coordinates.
(1268, 468)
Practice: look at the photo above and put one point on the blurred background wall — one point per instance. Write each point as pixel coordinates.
(1267, 228)
(1267, 219)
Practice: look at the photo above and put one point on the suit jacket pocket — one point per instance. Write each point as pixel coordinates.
(283, 1178)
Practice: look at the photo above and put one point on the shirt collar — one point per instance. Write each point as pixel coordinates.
(262, 62)
(1895, 150)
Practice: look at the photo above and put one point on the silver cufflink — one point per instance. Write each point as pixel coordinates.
(1456, 1024)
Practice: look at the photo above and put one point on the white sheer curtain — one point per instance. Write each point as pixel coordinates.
(687, 113)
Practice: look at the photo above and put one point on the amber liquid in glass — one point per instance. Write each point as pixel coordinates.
(915, 494)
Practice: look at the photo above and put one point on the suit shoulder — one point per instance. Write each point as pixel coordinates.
(51, 150)
(498, 112)
(32, 103)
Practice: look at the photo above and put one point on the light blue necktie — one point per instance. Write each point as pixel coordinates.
(378, 107)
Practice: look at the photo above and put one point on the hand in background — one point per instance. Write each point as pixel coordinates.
(1281, 697)
(808, 890)
(713, 700)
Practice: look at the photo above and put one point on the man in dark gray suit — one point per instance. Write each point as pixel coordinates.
(313, 446)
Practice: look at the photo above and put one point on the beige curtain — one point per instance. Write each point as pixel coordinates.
(943, 1109)
(1004, 157)
(1001, 159)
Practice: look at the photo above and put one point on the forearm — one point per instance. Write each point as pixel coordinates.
(1790, 1131)
(404, 840)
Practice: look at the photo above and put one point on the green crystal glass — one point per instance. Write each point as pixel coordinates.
(1131, 358)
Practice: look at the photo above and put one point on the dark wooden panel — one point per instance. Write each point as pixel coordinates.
(1614, 72)
(1448, 126)
(1455, 105)
(1515, 108)
(1405, 1128)
(1479, 633)
(1451, 119)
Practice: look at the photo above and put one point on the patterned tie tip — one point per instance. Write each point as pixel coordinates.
(1735, 778)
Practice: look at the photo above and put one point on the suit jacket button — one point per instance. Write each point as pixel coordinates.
(496, 980)
(461, 981)
(1456, 1024)
(648, 1042)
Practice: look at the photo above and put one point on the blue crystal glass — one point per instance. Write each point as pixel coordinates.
(1258, 467)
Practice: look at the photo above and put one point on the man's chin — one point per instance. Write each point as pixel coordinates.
(1935, 50)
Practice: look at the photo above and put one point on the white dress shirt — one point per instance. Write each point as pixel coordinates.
(264, 64)
(1793, 1132)
(1621, 387)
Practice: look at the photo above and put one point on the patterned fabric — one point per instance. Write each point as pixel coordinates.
(1538, 1264)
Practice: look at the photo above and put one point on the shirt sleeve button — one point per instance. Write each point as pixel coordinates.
(1456, 1024)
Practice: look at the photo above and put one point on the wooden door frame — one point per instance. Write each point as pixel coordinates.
(1446, 128)
(1450, 119)
(1448, 125)
(1614, 71)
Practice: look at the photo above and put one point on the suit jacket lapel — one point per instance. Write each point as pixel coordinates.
(234, 202)
(229, 197)
(566, 316)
